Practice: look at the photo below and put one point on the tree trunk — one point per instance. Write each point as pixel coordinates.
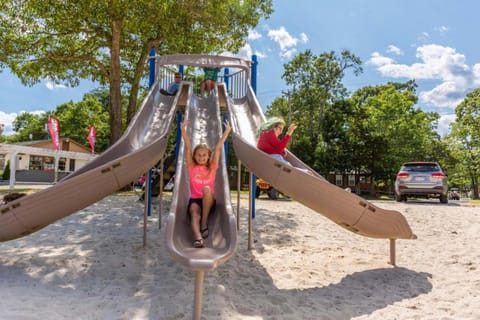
(475, 187)
(132, 99)
(115, 82)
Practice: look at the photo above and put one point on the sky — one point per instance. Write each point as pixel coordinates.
(432, 41)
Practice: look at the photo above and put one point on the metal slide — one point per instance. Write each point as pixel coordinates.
(344, 208)
(205, 127)
(140, 148)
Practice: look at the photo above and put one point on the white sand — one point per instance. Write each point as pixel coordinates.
(92, 265)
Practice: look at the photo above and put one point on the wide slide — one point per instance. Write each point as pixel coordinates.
(205, 127)
(304, 185)
(141, 146)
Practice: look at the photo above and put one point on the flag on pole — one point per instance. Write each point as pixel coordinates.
(54, 129)
(92, 136)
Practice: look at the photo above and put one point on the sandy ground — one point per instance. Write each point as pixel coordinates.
(92, 265)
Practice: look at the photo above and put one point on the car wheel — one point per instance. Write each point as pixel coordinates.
(443, 198)
(257, 192)
(272, 193)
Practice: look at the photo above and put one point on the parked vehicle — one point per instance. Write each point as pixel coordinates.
(421, 180)
(453, 194)
(265, 187)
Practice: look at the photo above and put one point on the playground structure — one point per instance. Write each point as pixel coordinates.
(144, 143)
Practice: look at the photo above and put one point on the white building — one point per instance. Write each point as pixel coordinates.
(38, 161)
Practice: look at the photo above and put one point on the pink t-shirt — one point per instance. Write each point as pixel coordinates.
(200, 177)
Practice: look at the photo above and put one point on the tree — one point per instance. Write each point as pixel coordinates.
(465, 138)
(74, 119)
(29, 126)
(109, 41)
(316, 83)
(386, 129)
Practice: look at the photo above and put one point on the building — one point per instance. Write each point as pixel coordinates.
(38, 161)
(358, 183)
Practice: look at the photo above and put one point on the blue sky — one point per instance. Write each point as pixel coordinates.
(431, 41)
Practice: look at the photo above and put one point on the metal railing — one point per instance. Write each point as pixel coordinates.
(236, 83)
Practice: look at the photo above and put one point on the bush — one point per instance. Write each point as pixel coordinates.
(6, 171)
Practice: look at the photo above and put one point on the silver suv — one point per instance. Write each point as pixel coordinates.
(421, 180)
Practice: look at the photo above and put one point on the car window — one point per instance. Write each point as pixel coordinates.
(421, 167)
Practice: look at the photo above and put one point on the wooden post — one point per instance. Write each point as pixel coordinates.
(145, 208)
(392, 252)
(197, 308)
(250, 212)
(239, 187)
(160, 195)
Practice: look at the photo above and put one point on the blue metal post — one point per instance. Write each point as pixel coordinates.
(254, 87)
(254, 73)
(226, 72)
(178, 135)
(151, 81)
(151, 78)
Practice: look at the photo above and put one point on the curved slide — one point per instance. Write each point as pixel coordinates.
(205, 127)
(141, 146)
(344, 208)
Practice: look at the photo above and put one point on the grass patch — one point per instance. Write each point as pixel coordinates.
(19, 190)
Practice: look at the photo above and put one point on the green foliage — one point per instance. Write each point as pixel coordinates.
(373, 131)
(6, 171)
(464, 141)
(30, 126)
(109, 41)
(74, 119)
(384, 129)
(316, 83)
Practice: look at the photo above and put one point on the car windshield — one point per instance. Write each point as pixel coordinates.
(420, 167)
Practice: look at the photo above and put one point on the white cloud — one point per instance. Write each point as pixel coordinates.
(253, 35)
(393, 49)
(444, 124)
(437, 62)
(283, 38)
(442, 29)
(288, 53)
(447, 94)
(245, 52)
(286, 42)
(8, 118)
(303, 38)
(476, 75)
(261, 55)
(379, 61)
(52, 85)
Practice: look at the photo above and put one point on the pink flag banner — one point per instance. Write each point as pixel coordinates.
(54, 129)
(92, 136)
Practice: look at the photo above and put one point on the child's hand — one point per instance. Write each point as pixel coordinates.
(185, 124)
(227, 125)
(291, 128)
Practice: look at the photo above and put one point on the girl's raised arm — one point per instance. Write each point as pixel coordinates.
(218, 147)
(187, 142)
